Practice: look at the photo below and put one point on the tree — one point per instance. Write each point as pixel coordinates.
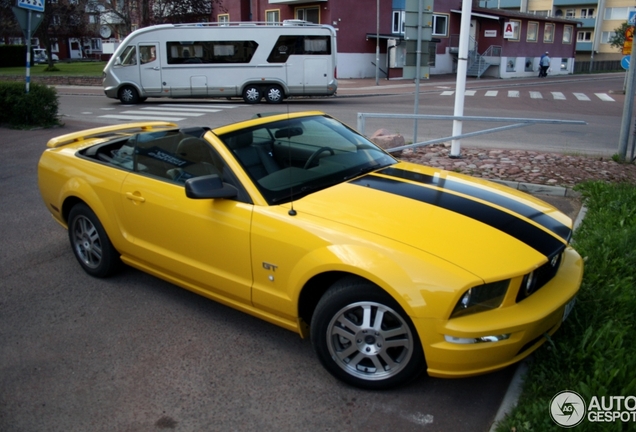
(618, 38)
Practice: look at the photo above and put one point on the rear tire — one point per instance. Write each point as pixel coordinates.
(128, 95)
(274, 94)
(90, 244)
(252, 94)
(363, 337)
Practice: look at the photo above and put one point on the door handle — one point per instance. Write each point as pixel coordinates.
(135, 197)
(155, 68)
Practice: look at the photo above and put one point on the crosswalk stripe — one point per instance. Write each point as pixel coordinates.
(491, 93)
(137, 117)
(513, 93)
(470, 92)
(581, 96)
(447, 93)
(153, 113)
(558, 96)
(177, 108)
(203, 106)
(604, 97)
(536, 95)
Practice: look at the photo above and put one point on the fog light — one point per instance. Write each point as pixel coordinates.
(466, 341)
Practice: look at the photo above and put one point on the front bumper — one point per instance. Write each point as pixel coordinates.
(526, 323)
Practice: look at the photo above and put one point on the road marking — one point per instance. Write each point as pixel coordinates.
(176, 108)
(203, 106)
(604, 97)
(448, 93)
(137, 117)
(491, 93)
(558, 96)
(536, 95)
(153, 113)
(470, 92)
(581, 96)
(513, 93)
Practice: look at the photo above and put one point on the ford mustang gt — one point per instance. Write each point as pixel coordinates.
(391, 268)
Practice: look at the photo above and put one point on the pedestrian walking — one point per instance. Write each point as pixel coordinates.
(544, 64)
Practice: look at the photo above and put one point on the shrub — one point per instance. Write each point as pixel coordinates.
(37, 108)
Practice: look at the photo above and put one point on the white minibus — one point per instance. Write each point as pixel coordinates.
(251, 60)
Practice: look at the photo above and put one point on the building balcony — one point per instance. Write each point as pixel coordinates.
(503, 4)
(556, 3)
(583, 46)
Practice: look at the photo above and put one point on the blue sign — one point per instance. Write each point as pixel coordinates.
(632, 18)
(625, 62)
(35, 5)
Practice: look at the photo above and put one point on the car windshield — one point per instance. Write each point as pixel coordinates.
(291, 158)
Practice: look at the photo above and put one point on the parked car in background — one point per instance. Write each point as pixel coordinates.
(391, 268)
(40, 56)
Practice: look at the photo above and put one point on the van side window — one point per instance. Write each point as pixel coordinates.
(129, 56)
(307, 45)
(211, 52)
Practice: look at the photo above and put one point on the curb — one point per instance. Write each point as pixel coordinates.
(511, 398)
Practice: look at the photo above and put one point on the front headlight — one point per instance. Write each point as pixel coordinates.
(481, 298)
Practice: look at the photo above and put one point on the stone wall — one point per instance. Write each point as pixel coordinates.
(56, 80)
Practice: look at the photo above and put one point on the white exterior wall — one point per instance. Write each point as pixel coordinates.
(360, 65)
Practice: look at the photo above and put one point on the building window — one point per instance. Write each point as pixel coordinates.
(533, 31)
(587, 13)
(584, 36)
(606, 36)
(398, 21)
(621, 13)
(311, 14)
(569, 13)
(272, 16)
(516, 28)
(223, 18)
(567, 34)
(543, 13)
(548, 33)
(440, 25)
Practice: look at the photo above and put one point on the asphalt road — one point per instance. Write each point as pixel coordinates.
(134, 353)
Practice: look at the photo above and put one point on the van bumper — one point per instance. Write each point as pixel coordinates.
(111, 92)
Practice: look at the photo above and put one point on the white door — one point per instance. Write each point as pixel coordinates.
(150, 68)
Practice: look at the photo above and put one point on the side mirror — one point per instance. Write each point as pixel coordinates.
(209, 187)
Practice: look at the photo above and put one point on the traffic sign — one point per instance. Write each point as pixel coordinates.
(631, 20)
(35, 5)
(625, 62)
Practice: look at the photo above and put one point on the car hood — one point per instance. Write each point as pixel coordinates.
(490, 230)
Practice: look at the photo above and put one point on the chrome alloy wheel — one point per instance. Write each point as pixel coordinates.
(87, 242)
(370, 340)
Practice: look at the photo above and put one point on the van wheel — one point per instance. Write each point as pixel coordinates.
(252, 94)
(274, 94)
(128, 95)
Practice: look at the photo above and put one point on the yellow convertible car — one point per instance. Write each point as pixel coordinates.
(391, 268)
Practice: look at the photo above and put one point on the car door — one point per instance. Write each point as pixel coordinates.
(150, 68)
(204, 244)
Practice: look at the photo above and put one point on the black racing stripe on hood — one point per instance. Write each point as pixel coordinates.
(513, 205)
(520, 229)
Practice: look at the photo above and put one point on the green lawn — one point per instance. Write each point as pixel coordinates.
(65, 69)
(594, 352)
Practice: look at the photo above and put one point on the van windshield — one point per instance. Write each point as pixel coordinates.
(129, 56)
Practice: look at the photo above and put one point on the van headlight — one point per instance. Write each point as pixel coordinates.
(481, 298)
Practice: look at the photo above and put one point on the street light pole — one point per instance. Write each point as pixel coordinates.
(377, 43)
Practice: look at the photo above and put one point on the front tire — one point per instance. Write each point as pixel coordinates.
(128, 95)
(364, 338)
(90, 244)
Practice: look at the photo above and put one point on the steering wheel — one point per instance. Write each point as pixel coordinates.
(315, 154)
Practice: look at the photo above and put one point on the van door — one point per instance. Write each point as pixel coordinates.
(150, 68)
(317, 71)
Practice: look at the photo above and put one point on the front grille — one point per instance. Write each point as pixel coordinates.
(539, 277)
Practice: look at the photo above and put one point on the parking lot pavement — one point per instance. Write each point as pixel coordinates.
(134, 353)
